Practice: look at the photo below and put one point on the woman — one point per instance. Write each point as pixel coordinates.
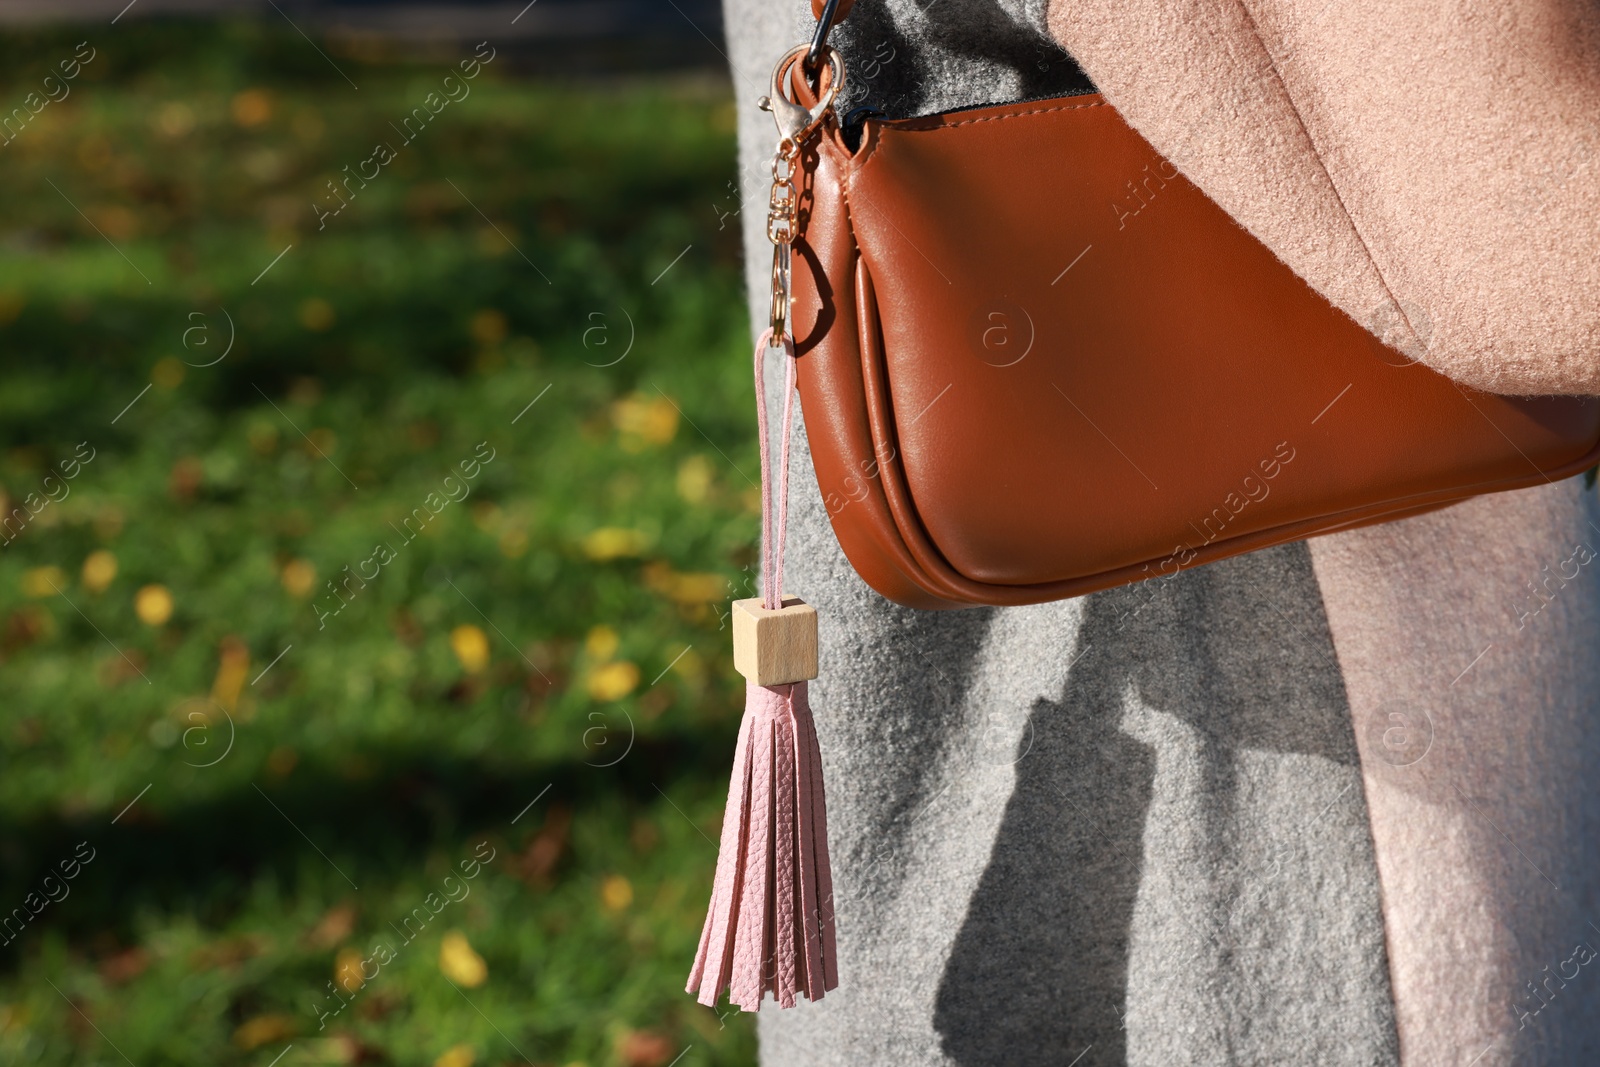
(1325, 803)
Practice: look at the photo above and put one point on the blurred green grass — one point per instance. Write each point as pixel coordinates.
(543, 669)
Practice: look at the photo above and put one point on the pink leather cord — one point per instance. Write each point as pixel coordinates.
(772, 547)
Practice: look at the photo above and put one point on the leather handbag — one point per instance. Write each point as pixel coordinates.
(1035, 361)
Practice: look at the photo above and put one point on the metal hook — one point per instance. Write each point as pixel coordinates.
(819, 40)
(796, 123)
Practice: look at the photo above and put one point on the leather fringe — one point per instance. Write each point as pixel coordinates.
(770, 924)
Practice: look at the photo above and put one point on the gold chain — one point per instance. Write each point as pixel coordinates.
(781, 232)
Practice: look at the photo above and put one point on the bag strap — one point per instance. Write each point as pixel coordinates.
(828, 13)
(840, 9)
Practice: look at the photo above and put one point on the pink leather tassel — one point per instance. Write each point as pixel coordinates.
(770, 924)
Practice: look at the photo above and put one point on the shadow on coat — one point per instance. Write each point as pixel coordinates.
(1239, 651)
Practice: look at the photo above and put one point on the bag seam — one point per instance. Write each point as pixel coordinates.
(1011, 115)
(924, 578)
(873, 148)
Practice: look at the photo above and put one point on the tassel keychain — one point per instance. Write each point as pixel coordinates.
(770, 923)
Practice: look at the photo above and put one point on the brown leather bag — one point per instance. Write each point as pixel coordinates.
(1035, 361)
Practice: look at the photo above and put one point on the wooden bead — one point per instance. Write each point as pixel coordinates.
(775, 647)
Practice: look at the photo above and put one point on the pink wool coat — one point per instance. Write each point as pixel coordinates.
(1432, 167)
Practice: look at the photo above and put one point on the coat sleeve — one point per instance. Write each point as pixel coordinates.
(1432, 168)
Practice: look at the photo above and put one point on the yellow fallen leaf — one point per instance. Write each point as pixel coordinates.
(601, 643)
(513, 543)
(153, 605)
(298, 577)
(168, 372)
(471, 646)
(338, 923)
(341, 1048)
(251, 107)
(262, 1029)
(456, 1056)
(614, 542)
(644, 420)
(233, 669)
(687, 588)
(613, 681)
(694, 479)
(698, 588)
(316, 314)
(40, 582)
(99, 569)
(460, 963)
(347, 969)
(616, 892)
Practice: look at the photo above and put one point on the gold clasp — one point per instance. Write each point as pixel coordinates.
(795, 121)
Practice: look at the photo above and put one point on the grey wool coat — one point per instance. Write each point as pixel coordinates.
(1329, 803)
